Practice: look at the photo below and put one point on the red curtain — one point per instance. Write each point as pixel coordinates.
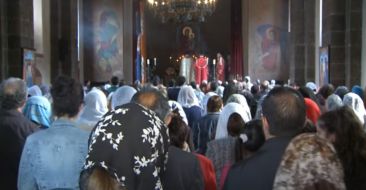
(236, 65)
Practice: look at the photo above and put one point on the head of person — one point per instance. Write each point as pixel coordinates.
(214, 104)
(155, 101)
(343, 129)
(307, 93)
(326, 90)
(251, 138)
(68, 97)
(235, 124)
(341, 91)
(333, 102)
(114, 81)
(181, 80)
(283, 112)
(213, 86)
(229, 90)
(135, 152)
(193, 85)
(354, 101)
(13, 94)
(178, 130)
(187, 98)
(358, 90)
(95, 106)
(224, 126)
(156, 80)
(38, 110)
(255, 89)
(35, 90)
(122, 96)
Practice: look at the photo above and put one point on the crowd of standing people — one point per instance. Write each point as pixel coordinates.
(219, 135)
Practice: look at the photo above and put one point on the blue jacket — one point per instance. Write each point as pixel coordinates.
(53, 158)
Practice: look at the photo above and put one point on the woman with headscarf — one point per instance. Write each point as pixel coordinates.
(356, 104)
(333, 102)
(95, 106)
(38, 110)
(342, 128)
(34, 91)
(130, 146)
(221, 151)
(240, 99)
(122, 95)
(189, 101)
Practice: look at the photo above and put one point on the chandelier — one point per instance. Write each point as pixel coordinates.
(182, 10)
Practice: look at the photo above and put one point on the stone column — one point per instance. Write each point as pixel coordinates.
(363, 70)
(64, 38)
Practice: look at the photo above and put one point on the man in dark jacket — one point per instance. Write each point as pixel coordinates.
(204, 129)
(283, 118)
(14, 129)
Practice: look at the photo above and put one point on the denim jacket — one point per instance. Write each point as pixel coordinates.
(53, 158)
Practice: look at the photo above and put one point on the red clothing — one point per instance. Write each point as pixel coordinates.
(208, 172)
(201, 70)
(312, 110)
(220, 70)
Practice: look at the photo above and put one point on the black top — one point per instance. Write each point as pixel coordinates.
(258, 172)
(183, 171)
(14, 129)
(173, 93)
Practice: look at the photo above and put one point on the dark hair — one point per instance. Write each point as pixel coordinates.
(254, 132)
(114, 80)
(308, 93)
(214, 104)
(284, 109)
(171, 83)
(181, 80)
(326, 90)
(153, 99)
(193, 84)
(229, 90)
(13, 93)
(255, 89)
(235, 124)
(350, 144)
(67, 95)
(178, 130)
(98, 178)
(213, 86)
(156, 80)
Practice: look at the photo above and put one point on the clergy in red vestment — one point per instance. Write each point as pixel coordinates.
(220, 68)
(201, 69)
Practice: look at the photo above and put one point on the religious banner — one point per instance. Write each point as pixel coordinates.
(103, 39)
(267, 37)
(323, 65)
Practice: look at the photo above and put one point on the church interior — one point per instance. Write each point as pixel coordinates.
(290, 41)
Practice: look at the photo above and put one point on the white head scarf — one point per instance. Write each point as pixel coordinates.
(230, 108)
(205, 101)
(333, 102)
(34, 91)
(240, 99)
(173, 105)
(187, 98)
(95, 107)
(355, 102)
(122, 96)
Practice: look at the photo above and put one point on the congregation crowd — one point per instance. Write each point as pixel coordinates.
(218, 135)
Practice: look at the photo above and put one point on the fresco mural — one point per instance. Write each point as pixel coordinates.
(268, 39)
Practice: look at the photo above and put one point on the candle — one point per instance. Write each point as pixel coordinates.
(148, 61)
(155, 61)
(214, 62)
